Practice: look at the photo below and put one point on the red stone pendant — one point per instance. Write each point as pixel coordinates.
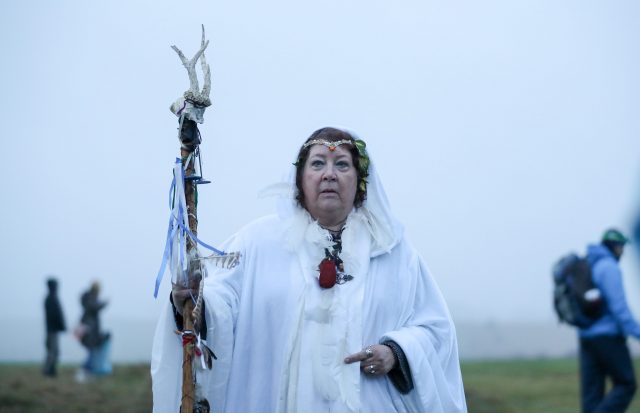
(327, 269)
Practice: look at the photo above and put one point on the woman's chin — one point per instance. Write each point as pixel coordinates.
(332, 209)
(330, 205)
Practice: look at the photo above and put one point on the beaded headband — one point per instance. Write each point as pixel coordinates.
(331, 145)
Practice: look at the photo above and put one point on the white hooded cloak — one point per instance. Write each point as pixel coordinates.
(281, 340)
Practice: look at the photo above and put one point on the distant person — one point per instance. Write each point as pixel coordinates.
(55, 325)
(92, 337)
(603, 345)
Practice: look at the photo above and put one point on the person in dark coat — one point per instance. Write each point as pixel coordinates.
(54, 324)
(93, 338)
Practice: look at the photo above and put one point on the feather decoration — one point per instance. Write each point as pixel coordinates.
(227, 260)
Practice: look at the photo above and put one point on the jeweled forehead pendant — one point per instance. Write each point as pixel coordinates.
(331, 145)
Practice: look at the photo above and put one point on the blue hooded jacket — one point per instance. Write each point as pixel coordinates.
(617, 318)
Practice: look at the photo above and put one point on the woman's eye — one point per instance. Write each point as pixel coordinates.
(317, 163)
(342, 164)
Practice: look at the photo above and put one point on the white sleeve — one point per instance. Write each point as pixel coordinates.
(429, 342)
(166, 364)
(221, 296)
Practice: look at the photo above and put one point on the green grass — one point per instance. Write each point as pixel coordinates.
(24, 390)
(533, 386)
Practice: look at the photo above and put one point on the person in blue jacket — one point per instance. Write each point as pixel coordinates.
(603, 345)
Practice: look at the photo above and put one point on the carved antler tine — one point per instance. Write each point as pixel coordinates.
(180, 55)
(190, 65)
(199, 53)
(206, 89)
(195, 88)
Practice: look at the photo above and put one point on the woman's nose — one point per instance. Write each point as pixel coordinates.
(329, 174)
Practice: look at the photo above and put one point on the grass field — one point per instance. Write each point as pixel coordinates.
(24, 390)
(539, 386)
(532, 386)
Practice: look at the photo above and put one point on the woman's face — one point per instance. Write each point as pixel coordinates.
(329, 183)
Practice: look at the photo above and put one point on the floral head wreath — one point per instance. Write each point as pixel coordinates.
(363, 157)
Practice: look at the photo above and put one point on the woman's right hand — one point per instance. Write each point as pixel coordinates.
(375, 360)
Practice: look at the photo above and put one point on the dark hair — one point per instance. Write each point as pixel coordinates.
(331, 135)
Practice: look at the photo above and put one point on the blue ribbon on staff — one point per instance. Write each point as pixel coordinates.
(177, 223)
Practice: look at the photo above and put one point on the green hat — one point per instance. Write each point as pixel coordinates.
(613, 235)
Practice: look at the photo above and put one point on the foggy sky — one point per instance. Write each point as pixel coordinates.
(506, 134)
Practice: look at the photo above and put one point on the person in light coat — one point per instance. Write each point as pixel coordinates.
(331, 309)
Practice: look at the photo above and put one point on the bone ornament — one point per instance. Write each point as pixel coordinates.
(192, 104)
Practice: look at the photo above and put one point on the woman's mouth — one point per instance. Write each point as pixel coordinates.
(328, 192)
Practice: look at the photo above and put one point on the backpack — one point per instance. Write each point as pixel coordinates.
(576, 299)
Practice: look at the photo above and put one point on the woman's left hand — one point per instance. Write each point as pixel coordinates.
(375, 360)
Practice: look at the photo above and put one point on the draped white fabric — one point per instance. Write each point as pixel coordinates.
(281, 339)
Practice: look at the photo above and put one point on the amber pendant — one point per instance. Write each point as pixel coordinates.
(328, 273)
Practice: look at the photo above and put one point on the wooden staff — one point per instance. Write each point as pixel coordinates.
(188, 388)
(190, 109)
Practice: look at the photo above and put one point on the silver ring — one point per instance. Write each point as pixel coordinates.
(372, 370)
(368, 352)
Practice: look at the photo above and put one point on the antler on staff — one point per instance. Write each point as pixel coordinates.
(190, 110)
(194, 101)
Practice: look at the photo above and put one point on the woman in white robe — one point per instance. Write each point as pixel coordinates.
(286, 344)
